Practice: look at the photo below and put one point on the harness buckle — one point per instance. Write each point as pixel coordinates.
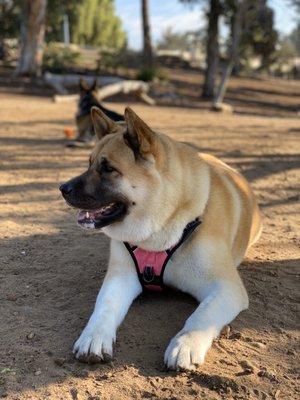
(148, 274)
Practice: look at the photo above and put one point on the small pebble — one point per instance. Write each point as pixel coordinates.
(74, 393)
(264, 395)
(225, 331)
(247, 367)
(276, 394)
(103, 377)
(37, 372)
(264, 373)
(153, 383)
(81, 373)
(30, 335)
(229, 391)
(291, 352)
(236, 335)
(60, 361)
(259, 345)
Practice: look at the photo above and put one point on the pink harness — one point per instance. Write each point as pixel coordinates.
(150, 265)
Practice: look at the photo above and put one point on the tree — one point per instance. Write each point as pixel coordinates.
(212, 49)
(212, 45)
(171, 40)
(181, 41)
(294, 38)
(147, 44)
(98, 25)
(56, 9)
(32, 37)
(296, 4)
(238, 14)
(259, 35)
(9, 22)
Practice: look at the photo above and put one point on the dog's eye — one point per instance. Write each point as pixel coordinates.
(106, 168)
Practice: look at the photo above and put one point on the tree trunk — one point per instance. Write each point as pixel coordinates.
(32, 38)
(236, 34)
(212, 49)
(147, 45)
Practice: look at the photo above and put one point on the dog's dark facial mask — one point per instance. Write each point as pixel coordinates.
(103, 193)
(95, 192)
(94, 195)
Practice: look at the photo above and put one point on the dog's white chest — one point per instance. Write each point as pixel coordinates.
(186, 271)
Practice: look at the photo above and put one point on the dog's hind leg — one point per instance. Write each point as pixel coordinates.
(223, 298)
(120, 287)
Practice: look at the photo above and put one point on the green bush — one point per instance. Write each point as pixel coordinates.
(123, 58)
(162, 75)
(147, 74)
(57, 57)
(108, 60)
(151, 74)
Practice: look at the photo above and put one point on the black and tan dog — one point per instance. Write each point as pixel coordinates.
(88, 99)
(149, 193)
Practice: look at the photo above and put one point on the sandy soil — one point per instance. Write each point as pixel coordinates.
(51, 270)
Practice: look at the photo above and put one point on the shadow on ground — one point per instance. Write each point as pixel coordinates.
(48, 287)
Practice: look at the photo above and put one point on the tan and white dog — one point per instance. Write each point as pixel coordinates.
(143, 188)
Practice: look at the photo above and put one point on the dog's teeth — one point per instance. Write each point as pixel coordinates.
(87, 215)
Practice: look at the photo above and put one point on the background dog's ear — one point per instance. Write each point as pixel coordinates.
(103, 125)
(139, 136)
(83, 86)
(94, 85)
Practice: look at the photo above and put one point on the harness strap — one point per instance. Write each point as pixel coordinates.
(150, 265)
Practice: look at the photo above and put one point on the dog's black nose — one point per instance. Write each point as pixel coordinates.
(65, 188)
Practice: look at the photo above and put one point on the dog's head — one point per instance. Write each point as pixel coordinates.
(87, 91)
(124, 189)
(87, 99)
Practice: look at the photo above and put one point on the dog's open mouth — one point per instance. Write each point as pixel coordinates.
(101, 217)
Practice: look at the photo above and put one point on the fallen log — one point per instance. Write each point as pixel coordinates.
(60, 82)
(146, 98)
(138, 88)
(222, 107)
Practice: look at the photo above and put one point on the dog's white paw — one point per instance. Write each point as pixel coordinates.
(94, 345)
(187, 350)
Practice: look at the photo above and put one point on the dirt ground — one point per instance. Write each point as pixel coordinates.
(51, 270)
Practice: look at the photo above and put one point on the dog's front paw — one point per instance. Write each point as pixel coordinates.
(187, 350)
(94, 345)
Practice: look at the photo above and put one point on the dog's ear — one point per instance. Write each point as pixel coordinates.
(94, 85)
(139, 136)
(103, 125)
(83, 86)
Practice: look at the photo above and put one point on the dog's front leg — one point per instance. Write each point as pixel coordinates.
(120, 287)
(223, 299)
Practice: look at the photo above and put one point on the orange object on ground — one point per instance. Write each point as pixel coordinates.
(69, 133)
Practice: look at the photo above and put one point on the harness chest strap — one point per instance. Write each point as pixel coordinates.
(150, 265)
